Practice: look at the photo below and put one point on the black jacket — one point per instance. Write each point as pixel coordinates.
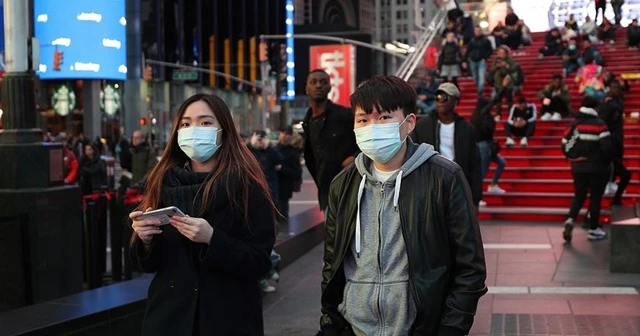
(466, 151)
(592, 142)
(269, 158)
(446, 260)
(290, 172)
(324, 159)
(479, 49)
(483, 121)
(450, 54)
(93, 174)
(202, 289)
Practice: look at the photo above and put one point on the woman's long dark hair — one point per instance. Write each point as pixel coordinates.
(479, 115)
(237, 168)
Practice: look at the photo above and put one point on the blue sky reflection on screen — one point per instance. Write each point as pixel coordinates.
(91, 35)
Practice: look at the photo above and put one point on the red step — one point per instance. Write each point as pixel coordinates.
(540, 172)
(546, 199)
(547, 185)
(556, 140)
(533, 214)
(630, 161)
(552, 150)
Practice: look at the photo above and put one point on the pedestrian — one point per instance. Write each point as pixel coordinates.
(206, 264)
(399, 258)
(453, 137)
(587, 145)
(330, 144)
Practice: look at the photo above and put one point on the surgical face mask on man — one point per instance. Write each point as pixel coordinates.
(199, 143)
(380, 142)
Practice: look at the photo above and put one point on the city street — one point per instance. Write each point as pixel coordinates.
(537, 285)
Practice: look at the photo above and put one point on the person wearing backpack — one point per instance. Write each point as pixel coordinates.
(587, 144)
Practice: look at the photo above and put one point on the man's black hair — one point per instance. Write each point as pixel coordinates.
(385, 94)
(522, 100)
(316, 71)
(556, 76)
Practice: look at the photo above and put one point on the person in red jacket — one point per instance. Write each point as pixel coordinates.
(70, 166)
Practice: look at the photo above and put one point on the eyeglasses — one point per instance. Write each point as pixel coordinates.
(442, 98)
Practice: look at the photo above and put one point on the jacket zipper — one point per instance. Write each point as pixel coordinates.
(380, 255)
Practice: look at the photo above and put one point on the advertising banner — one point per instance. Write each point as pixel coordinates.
(542, 15)
(91, 35)
(339, 61)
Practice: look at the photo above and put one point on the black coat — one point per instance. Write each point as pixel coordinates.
(93, 174)
(447, 270)
(202, 289)
(324, 159)
(290, 172)
(466, 151)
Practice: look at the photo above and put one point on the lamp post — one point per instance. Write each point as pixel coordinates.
(42, 214)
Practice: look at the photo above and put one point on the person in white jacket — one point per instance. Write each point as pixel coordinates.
(589, 29)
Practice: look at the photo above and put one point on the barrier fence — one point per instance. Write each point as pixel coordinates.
(99, 209)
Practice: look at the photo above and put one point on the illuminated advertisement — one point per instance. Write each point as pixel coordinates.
(542, 15)
(291, 81)
(89, 38)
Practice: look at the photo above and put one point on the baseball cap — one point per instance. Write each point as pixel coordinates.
(261, 133)
(449, 88)
(288, 130)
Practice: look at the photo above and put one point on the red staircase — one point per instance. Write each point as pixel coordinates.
(538, 178)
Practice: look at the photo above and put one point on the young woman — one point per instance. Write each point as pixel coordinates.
(93, 171)
(208, 263)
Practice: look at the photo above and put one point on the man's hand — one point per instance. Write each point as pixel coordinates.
(422, 97)
(520, 123)
(546, 101)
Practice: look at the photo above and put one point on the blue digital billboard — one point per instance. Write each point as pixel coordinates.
(90, 34)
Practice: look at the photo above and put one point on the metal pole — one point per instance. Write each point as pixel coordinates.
(18, 92)
(335, 39)
(192, 68)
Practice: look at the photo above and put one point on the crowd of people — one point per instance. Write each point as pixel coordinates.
(464, 55)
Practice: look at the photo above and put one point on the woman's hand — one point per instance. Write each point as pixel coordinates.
(198, 230)
(146, 228)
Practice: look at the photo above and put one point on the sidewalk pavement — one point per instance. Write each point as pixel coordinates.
(538, 285)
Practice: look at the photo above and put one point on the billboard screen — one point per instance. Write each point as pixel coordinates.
(90, 34)
(338, 60)
(542, 15)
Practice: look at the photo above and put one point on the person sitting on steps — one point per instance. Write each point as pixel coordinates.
(521, 122)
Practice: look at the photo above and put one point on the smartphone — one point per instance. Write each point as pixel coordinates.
(163, 214)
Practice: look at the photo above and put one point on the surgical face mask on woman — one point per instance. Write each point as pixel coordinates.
(380, 142)
(199, 143)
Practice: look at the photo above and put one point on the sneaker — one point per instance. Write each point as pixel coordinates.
(495, 189)
(523, 142)
(266, 287)
(556, 116)
(597, 234)
(611, 188)
(275, 276)
(510, 142)
(497, 118)
(482, 203)
(568, 230)
(546, 117)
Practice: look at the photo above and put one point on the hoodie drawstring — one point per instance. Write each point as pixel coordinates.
(396, 192)
(360, 192)
(396, 197)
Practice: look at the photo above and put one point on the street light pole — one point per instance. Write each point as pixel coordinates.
(35, 204)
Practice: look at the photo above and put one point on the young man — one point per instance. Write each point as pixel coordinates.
(521, 122)
(399, 256)
(478, 52)
(453, 137)
(329, 143)
(555, 100)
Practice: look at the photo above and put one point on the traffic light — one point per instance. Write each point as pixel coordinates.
(57, 60)
(148, 73)
(263, 54)
(142, 121)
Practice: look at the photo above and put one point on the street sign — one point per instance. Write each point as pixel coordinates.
(182, 75)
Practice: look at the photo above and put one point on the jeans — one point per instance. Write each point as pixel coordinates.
(570, 66)
(275, 259)
(478, 70)
(594, 184)
(599, 95)
(426, 106)
(485, 158)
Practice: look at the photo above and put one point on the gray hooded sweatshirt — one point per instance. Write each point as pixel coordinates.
(377, 298)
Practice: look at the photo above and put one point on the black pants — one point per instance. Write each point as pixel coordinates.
(619, 170)
(283, 208)
(504, 92)
(556, 105)
(598, 8)
(521, 132)
(594, 184)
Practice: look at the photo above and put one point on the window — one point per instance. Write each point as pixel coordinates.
(398, 15)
